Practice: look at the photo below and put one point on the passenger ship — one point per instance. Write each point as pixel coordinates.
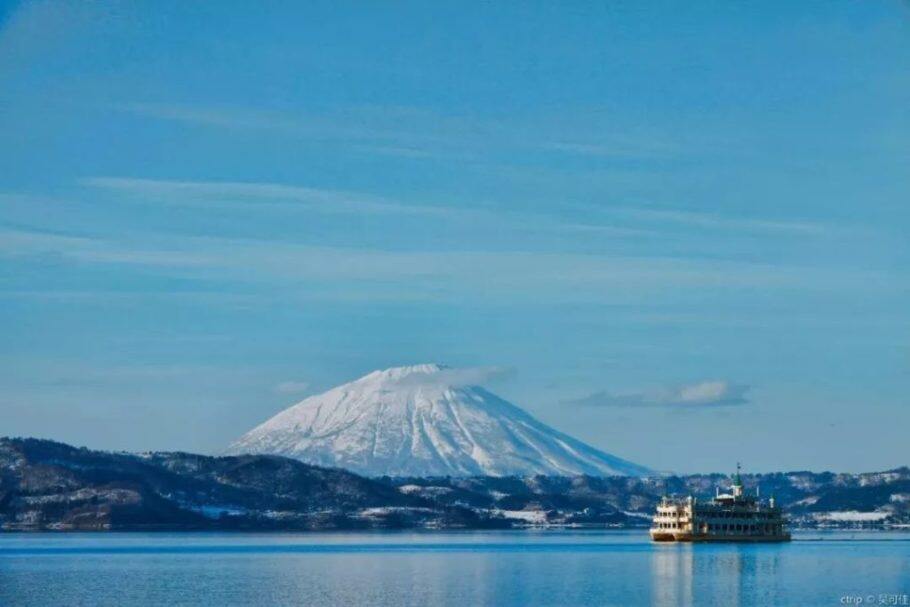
(729, 517)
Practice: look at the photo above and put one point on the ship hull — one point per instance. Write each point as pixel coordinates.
(707, 538)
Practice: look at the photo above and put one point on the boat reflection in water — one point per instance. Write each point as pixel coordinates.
(725, 576)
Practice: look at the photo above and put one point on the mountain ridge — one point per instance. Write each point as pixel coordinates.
(54, 486)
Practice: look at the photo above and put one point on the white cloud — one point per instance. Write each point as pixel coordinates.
(462, 376)
(711, 393)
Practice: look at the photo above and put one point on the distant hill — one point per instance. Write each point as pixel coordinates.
(810, 499)
(423, 420)
(50, 485)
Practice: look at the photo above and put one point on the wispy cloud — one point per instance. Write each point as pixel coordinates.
(405, 132)
(457, 376)
(257, 196)
(399, 151)
(410, 132)
(363, 273)
(257, 193)
(722, 222)
(713, 393)
(644, 148)
(15, 242)
(235, 118)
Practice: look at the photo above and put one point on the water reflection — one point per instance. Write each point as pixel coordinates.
(734, 575)
(671, 575)
(501, 569)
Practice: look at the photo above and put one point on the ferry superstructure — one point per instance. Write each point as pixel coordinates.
(728, 517)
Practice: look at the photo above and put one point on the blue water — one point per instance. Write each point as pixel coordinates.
(508, 569)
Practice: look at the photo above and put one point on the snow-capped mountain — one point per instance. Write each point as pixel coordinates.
(421, 421)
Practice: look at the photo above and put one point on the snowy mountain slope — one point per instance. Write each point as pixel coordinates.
(419, 421)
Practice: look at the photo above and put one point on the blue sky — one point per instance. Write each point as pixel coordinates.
(681, 229)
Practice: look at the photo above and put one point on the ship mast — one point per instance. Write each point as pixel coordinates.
(737, 483)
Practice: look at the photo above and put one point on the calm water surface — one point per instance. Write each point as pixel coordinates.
(508, 569)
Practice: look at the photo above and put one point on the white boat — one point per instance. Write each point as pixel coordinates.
(728, 517)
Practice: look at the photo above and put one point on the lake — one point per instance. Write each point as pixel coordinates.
(509, 569)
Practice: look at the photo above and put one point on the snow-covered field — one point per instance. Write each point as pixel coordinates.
(534, 517)
(852, 516)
